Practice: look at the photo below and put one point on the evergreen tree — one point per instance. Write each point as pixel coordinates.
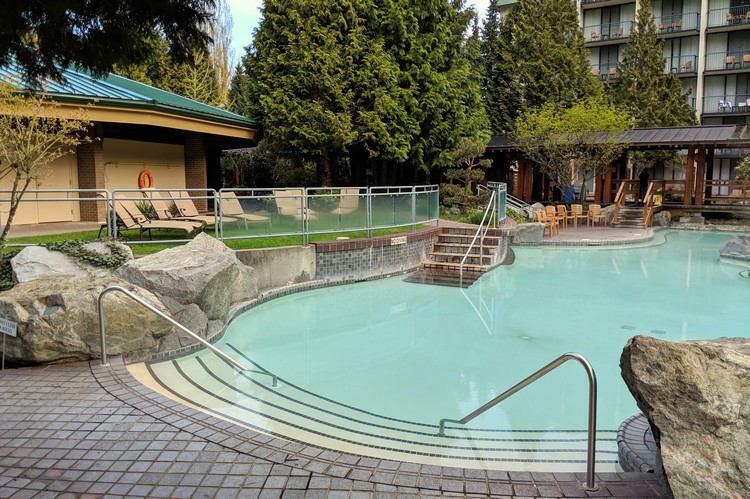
(550, 55)
(653, 98)
(502, 98)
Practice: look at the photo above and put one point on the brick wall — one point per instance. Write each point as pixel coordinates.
(195, 166)
(365, 258)
(90, 159)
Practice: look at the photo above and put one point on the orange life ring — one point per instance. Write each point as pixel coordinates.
(145, 180)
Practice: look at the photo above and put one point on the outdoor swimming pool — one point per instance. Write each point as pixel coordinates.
(370, 368)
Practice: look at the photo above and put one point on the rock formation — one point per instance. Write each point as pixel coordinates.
(530, 233)
(204, 272)
(662, 219)
(738, 247)
(58, 320)
(696, 396)
(37, 262)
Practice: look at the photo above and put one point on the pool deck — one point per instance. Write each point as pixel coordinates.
(86, 430)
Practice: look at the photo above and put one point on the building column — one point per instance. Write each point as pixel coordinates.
(195, 166)
(90, 158)
(700, 176)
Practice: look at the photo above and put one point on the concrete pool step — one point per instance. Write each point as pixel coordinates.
(293, 413)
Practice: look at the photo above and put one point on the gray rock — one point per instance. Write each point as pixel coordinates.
(58, 320)
(609, 214)
(193, 318)
(530, 233)
(37, 262)
(737, 247)
(662, 219)
(696, 396)
(204, 272)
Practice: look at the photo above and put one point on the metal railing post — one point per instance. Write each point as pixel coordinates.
(590, 484)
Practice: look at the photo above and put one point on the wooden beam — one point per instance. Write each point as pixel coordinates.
(700, 176)
(689, 176)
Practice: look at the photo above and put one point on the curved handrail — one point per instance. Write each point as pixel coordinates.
(490, 205)
(591, 451)
(135, 298)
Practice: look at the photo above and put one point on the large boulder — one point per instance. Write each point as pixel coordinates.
(738, 247)
(204, 272)
(662, 219)
(530, 233)
(58, 320)
(696, 396)
(37, 262)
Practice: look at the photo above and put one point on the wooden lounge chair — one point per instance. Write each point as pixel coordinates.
(232, 208)
(549, 223)
(163, 211)
(596, 215)
(292, 202)
(132, 218)
(576, 213)
(348, 202)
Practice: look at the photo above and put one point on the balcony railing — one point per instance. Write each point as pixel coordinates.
(611, 31)
(726, 103)
(682, 22)
(729, 16)
(720, 61)
(684, 64)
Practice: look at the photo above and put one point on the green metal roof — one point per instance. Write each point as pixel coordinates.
(118, 91)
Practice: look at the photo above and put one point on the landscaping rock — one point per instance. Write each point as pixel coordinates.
(37, 262)
(662, 219)
(204, 272)
(193, 318)
(738, 247)
(58, 320)
(609, 214)
(696, 396)
(530, 233)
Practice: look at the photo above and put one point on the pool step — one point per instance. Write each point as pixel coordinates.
(293, 413)
(443, 266)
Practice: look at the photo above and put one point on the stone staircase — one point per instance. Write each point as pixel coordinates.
(630, 217)
(444, 263)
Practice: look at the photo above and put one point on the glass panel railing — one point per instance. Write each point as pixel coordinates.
(337, 209)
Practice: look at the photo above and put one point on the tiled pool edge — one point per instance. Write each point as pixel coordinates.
(118, 382)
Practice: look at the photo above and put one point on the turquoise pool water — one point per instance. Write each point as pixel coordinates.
(417, 353)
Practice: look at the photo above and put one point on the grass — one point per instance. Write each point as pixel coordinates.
(269, 241)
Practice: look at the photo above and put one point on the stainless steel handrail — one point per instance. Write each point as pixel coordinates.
(135, 298)
(591, 451)
(490, 207)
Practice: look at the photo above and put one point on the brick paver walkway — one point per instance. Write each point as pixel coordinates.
(83, 430)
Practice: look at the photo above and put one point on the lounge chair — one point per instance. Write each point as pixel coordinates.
(596, 215)
(292, 202)
(163, 211)
(132, 218)
(348, 202)
(232, 208)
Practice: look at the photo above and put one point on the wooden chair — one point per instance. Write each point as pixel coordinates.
(595, 72)
(551, 212)
(729, 61)
(576, 213)
(596, 215)
(662, 27)
(564, 215)
(677, 25)
(612, 73)
(730, 18)
(687, 67)
(745, 60)
(618, 33)
(594, 36)
(549, 223)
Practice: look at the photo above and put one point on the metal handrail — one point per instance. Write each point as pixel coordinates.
(490, 207)
(135, 298)
(591, 451)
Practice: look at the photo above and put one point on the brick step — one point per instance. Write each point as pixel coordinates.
(457, 239)
(456, 266)
(462, 248)
(440, 277)
(457, 257)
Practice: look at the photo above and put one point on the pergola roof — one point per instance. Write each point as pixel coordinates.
(717, 136)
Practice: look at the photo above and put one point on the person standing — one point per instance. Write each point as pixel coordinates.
(642, 185)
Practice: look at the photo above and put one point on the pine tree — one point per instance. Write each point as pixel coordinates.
(652, 97)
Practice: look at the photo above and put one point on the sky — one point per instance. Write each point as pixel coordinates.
(246, 16)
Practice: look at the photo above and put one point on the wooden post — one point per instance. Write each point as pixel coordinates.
(528, 180)
(700, 176)
(689, 177)
(607, 197)
(709, 172)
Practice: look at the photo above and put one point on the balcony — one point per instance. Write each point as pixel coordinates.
(688, 21)
(605, 72)
(726, 104)
(729, 17)
(728, 61)
(684, 65)
(612, 32)
(603, 3)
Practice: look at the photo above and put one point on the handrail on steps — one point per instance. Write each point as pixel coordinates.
(490, 206)
(591, 451)
(648, 204)
(163, 316)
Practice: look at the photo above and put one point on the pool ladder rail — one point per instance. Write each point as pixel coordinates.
(119, 289)
(591, 450)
